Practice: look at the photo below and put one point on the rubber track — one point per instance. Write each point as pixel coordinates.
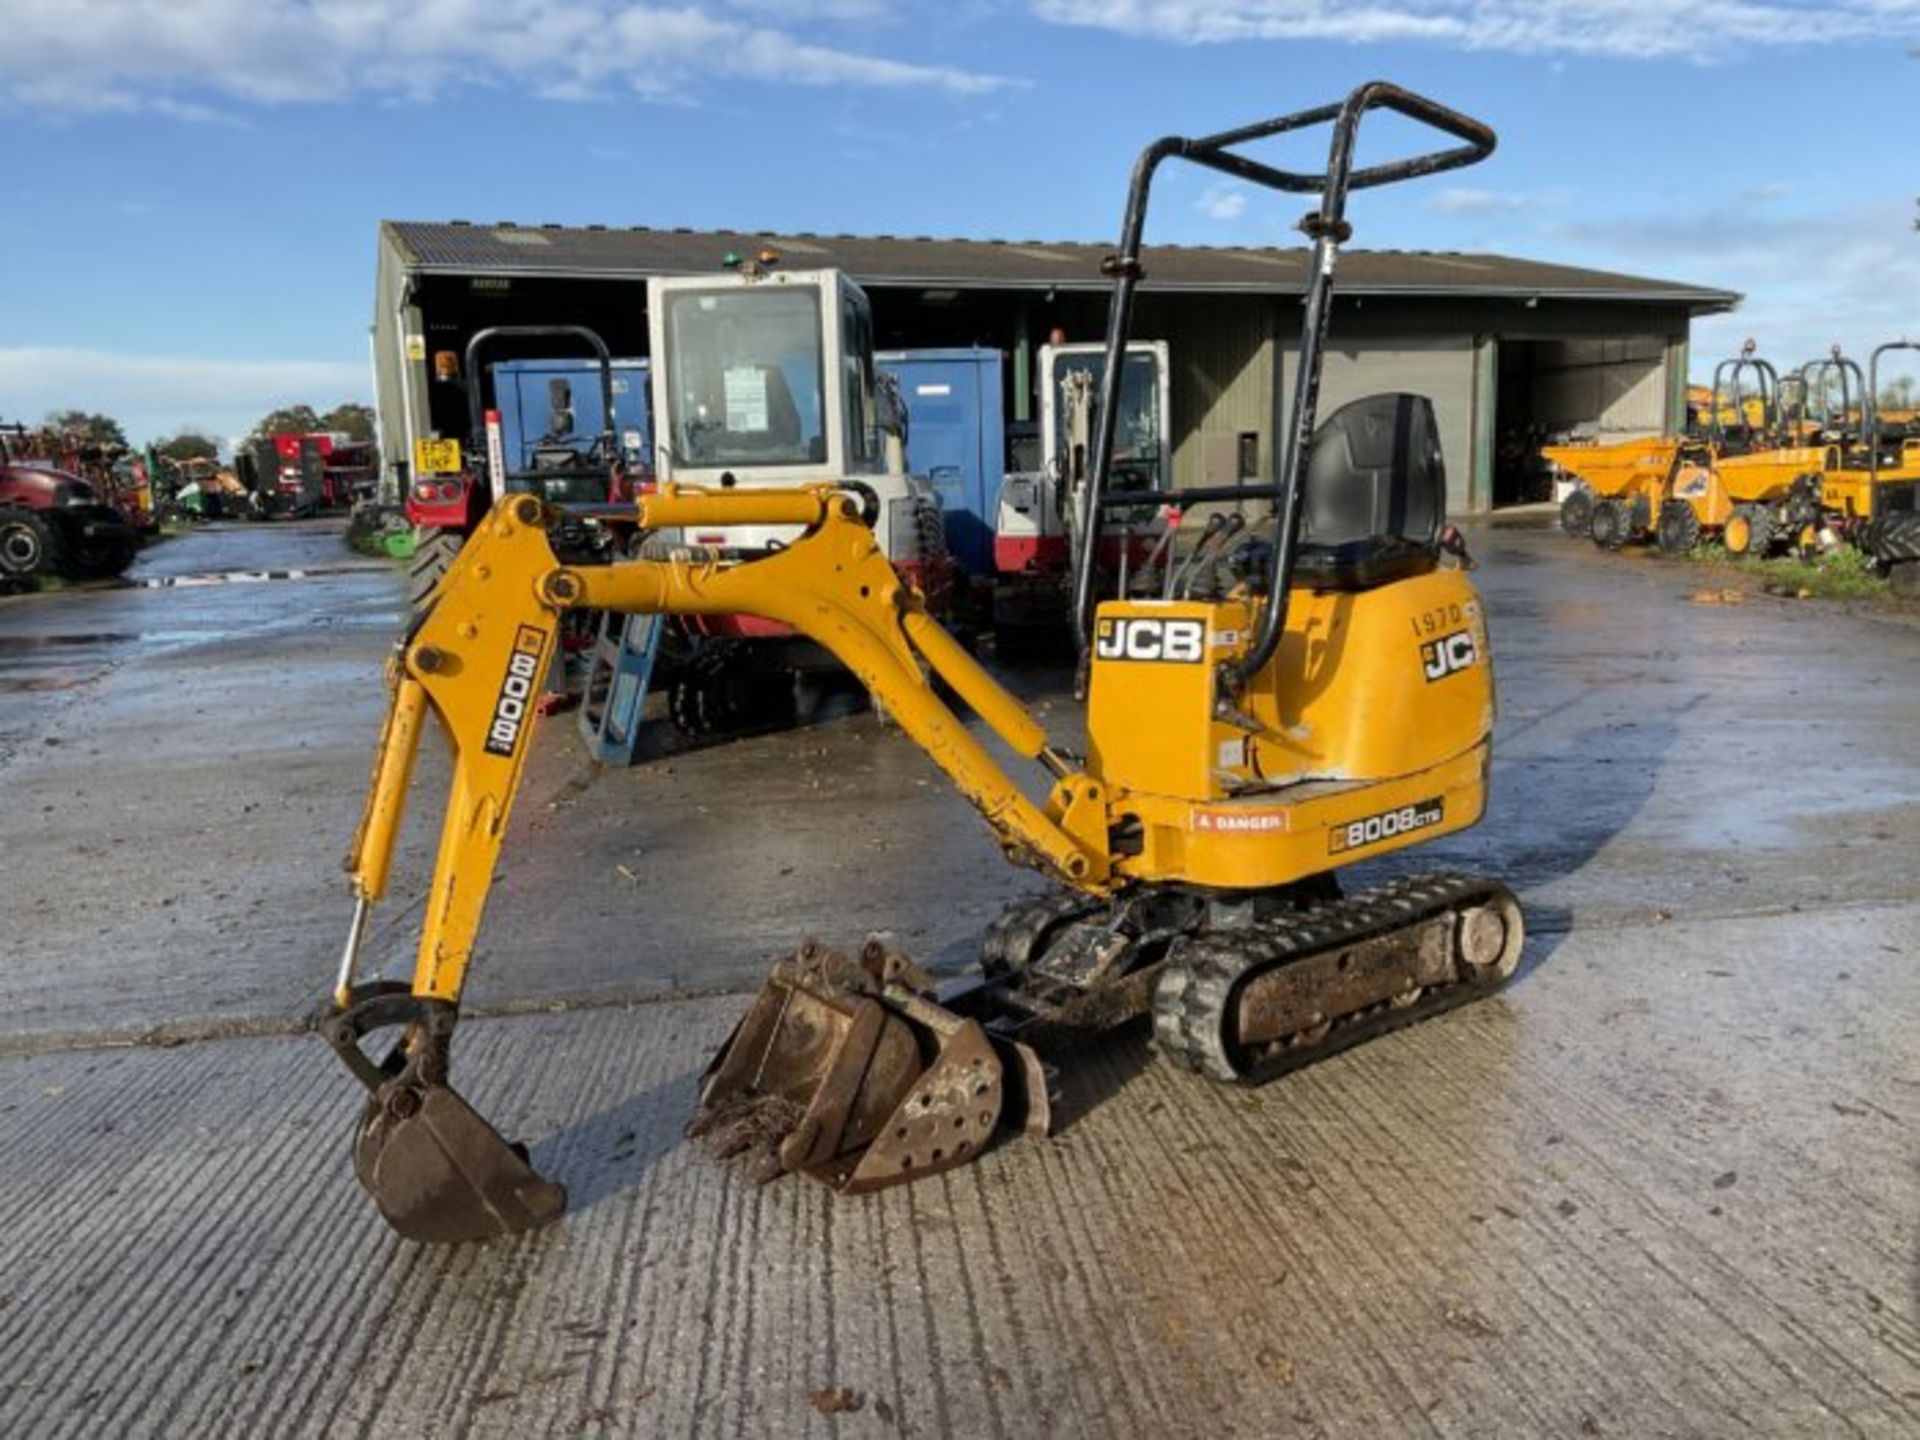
(1014, 937)
(1197, 990)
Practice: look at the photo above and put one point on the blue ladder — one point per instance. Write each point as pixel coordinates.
(619, 672)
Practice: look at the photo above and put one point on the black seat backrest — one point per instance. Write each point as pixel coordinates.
(1375, 494)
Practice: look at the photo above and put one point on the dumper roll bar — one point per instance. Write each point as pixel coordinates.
(1766, 388)
(1870, 406)
(1815, 380)
(476, 417)
(1328, 229)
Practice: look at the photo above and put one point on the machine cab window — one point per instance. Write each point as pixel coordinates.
(764, 376)
(746, 383)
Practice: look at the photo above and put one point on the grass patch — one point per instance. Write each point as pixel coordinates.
(1843, 574)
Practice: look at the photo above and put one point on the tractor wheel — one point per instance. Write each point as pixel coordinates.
(1749, 531)
(1679, 530)
(1903, 579)
(432, 558)
(1610, 527)
(101, 559)
(28, 545)
(1576, 511)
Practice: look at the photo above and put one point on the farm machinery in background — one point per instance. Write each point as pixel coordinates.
(770, 382)
(1038, 512)
(1892, 533)
(1795, 462)
(57, 520)
(589, 437)
(296, 476)
(574, 432)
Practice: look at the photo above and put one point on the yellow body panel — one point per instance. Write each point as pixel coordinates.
(1624, 469)
(1767, 475)
(1701, 487)
(1848, 492)
(1150, 723)
(1376, 700)
(1270, 838)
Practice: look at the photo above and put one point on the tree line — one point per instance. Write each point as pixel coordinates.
(104, 432)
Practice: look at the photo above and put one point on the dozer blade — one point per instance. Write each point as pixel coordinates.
(841, 1070)
(440, 1174)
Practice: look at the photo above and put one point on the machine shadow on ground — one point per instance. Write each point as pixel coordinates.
(1533, 843)
(608, 1153)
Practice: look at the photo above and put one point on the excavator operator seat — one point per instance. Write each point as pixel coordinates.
(1375, 495)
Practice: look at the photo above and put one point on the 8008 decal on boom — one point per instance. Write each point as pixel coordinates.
(516, 691)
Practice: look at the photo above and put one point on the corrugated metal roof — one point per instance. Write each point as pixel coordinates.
(506, 248)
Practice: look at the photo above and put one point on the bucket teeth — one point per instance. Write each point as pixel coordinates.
(840, 1069)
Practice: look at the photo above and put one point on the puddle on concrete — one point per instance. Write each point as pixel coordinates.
(25, 684)
(31, 644)
(241, 577)
(15, 644)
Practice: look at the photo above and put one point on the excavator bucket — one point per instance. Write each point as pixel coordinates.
(441, 1174)
(845, 1070)
(438, 1172)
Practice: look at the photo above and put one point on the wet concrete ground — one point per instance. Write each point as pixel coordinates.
(1666, 1184)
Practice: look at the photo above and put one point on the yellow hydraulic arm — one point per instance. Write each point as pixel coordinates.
(477, 658)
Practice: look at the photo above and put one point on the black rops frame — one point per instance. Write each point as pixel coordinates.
(1816, 373)
(475, 411)
(1767, 390)
(1870, 414)
(1328, 229)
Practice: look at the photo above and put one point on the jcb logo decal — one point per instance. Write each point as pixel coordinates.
(1374, 828)
(1182, 641)
(1450, 653)
(516, 691)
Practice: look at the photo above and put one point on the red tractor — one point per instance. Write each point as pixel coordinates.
(53, 523)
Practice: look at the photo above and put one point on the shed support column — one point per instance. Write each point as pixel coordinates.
(1486, 397)
(1022, 368)
(1678, 359)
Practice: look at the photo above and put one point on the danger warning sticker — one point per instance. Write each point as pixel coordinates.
(1239, 822)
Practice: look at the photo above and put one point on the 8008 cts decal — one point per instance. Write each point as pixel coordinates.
(516, 690)
(1385, 826)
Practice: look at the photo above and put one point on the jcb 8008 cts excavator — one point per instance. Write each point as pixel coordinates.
(1325, 695)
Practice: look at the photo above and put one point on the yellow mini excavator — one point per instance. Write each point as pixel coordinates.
(1323, 693)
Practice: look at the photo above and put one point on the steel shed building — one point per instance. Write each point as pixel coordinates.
(1502, 345)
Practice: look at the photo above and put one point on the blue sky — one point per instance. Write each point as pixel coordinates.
(192, 186)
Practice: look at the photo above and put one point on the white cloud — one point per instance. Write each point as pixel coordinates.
(152, 54)
(154, 395)
(1222, 202)
(1811, 280)
(1626, 29)
(1466, 201)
